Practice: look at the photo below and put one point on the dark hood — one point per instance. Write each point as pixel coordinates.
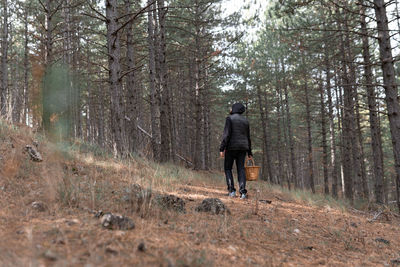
(238, 108)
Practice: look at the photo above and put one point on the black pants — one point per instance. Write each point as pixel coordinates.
(239, 156)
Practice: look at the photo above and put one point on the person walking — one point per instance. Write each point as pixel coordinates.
(234, 146)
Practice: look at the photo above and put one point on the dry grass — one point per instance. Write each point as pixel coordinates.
(295, 229)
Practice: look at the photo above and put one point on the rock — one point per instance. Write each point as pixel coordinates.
(111, 250)
(265, 201)
(112, 221)
(265, 219)
(213, 205)
(296, 231)
(232, 248)
(141, 247)
(50, 255)
(99, 214)
(39, 206)
(387, 242)
(71, 222)
(353, 224)
(33, 153)
(395, 261)
(171, 202)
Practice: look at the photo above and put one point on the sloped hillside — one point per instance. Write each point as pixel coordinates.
(57, 212)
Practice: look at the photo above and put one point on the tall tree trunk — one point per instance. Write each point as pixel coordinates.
(154, 106)
(4, 61)
(131, 85)
(284, 127)
(324, 139)
(309, 133)
(347, 128)
(358, 158)
(26, 67)
(293, 161)
(198, 92)
(266, 139)
(164, 90)
(280, 178)
(48, 62)
(113, 46)
(376, 141)
(389, 81)
(339, 109)
(334, 165)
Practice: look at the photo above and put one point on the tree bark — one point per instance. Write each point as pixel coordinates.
(113, 46)
(324, 140)
(390, 86)
(280, 178)
(334, 165)
(309, 133)
(348, 161)
(264, 123)
(293, 161)
(131, 85)
(164, 90)
(26, 67)
(4, 61)
(154, 106)
(376, 141)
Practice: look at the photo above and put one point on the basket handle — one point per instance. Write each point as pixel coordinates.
(252, 161)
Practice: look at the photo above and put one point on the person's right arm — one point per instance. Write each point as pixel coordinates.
(226, 135)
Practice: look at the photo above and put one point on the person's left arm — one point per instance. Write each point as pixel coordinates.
(249, 152)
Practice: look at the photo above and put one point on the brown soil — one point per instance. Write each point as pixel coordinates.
(283, 233)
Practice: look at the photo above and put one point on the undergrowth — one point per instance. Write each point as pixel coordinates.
(305, 196)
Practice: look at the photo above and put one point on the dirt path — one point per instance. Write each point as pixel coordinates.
(282, 233)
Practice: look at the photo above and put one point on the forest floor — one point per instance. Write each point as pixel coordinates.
(69, 186)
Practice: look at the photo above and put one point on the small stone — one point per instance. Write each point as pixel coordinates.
(99, 214)
(171, 202)
(395, 261)
(265, 220)
(71, 222)
(50, 255)
(111, 251)
(20, 232)
(39, 206)
(119, 233)
(33, 153)
(213, 206)
(387, 242)
(112, 222)
(296, 231)
(141, 247)
(353, 224)
(232, 248)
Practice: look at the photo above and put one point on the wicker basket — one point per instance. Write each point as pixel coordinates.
(252, 172)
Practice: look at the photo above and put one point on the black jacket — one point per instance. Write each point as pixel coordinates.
(236, 132)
